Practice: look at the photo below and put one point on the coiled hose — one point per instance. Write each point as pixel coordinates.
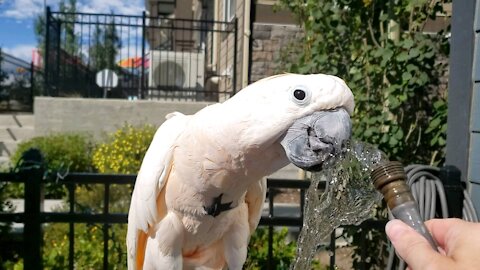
(426, 188)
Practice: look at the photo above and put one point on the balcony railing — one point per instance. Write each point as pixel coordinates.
(152, 57)
(34, 219)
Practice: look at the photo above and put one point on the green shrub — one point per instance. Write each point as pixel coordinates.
(124, 150)
(284, 251)
(88, 246)
(5, 207)
(62, 152)
(393, 67)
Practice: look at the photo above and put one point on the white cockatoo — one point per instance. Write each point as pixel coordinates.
(200, 190)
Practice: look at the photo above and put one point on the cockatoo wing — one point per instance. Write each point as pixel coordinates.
(255, 197)
(148, 204)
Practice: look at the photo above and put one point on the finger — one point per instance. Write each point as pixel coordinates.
(414, 248)
(442, 228)
(457, 237)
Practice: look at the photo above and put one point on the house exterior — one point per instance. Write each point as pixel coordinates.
(261, 33)
(463, 131)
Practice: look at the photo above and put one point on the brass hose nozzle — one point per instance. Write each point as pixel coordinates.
(390, 179)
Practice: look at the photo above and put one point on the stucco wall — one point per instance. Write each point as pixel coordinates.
(102, 115)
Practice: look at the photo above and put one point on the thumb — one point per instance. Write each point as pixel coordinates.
(414, 248)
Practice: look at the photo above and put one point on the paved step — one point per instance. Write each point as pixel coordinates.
(4, 161)
(17, 120)
(14, 128)
(7, 148)
(16, 133)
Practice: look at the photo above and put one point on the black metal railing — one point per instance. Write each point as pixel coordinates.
(19, 82)
(153, 57)
(33, 217)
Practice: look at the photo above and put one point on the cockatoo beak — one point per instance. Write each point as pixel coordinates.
(313, 139)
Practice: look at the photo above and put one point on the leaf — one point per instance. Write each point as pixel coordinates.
(402, 57)
(407, 43)
(441, 141)
(393, 101)
(383, 17)
(414, 53)
(433, 125)
(393, 141)
(399, 134)
(411, 67)
(406, 76)
(422, 78)
(438, 104)
(369, 132)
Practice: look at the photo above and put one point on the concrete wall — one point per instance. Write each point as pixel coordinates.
(102, 115)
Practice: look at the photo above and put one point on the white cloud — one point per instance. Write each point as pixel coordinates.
(28, 9)
(22, 51)
(24, 9)
(124, 7)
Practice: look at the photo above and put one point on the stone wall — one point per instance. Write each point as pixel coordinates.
(98, 116)
(268, 40)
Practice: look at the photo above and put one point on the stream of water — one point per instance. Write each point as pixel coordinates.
(348, 199)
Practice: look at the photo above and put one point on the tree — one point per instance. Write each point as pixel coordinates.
(105, 46)
(3, 74)
(68, 40)
(39, 30)
(97, 56)
(112, 44)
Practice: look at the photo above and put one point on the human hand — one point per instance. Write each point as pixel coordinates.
(458, 240)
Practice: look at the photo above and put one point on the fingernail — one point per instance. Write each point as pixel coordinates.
(394, 229)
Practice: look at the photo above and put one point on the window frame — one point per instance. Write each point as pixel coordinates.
(228, 12)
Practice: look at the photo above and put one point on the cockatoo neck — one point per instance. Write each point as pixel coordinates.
(249, 135)
(253, 126)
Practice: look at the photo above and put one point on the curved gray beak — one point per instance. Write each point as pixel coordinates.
(311, 140)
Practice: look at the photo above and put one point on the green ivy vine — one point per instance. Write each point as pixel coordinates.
(395, 68)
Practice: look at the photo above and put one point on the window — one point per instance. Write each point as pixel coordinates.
(229, 10)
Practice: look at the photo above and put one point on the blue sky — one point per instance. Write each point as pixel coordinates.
(17, 20)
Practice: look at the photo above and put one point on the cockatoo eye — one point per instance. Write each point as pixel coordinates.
(300, 95)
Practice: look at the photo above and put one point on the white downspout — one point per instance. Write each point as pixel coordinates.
(246, 42)
(215, 35)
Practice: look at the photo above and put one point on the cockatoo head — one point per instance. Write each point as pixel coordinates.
(309, 115)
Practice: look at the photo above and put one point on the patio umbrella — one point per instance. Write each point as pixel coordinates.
(132, 62)
(139, 62)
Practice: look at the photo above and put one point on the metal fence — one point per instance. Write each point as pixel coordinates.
(34, 219)
(19, 82)
(152, 57)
